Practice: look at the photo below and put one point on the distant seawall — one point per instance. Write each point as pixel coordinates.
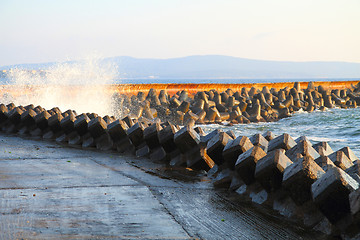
(172, 88)
(192, 88)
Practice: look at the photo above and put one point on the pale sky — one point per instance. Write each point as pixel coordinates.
(300, 30)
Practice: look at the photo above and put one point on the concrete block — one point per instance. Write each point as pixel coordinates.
(142, 151)
(325, 163)
(97, 127)
(10, 106)
(108, 119)
(166, 138)
(302, 139)
(354, 171)
(124, 145)
(284, 141)
(198, 159)
(28, 118)
(55, 129)
(151, 135)
(14, 115)
(259, 140)
(159, 155)
(302, 149)
(136, 134)
(186, 139)
(41, 120)
(214, 171)
(190, 116)
(54, 122)
(200, 131)
(212, 114)
(340, 159)
(87, 141)
(104, 142)
(354, 202)
(184, 107)
(236, 182)
(331, 192)
(231, 134)
(81, 124)
(298, 178)
(349, 153)
(216, 145)
(223, 178)
(178, 117)
(174, 102)
(178, 160)
(234, 148)
(117, 130)
(129, 121)
(269, 135)
(269, 170)
(67, 126)
(246, 164)
(27, 122)
(183, 95)
(74, 138)
(323, 148)
(255, 113)
(204, 139)
(3, 113)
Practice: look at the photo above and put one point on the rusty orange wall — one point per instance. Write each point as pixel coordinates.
(172, 88)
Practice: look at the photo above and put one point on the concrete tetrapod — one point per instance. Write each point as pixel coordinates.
(269, 170)
(331, 194)
(298, 178)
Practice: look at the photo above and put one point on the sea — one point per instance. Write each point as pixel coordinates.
(338, 127)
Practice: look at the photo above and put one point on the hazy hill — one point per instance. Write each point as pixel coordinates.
(217, 66)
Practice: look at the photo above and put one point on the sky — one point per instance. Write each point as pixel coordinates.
(285, 30)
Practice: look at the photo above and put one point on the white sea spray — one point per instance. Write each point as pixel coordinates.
(80, 85)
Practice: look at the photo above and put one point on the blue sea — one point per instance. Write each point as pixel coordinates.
(338, 127)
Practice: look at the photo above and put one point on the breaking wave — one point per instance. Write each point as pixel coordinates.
(79, 85)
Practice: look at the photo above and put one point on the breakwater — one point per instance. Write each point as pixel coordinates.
(305, 181)
(192, 88)
(233, 106)
(192, 103)
(309, 183)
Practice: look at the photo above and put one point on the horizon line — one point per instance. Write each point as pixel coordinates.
(197, 55)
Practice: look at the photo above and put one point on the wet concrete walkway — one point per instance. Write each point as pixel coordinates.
(49, 191)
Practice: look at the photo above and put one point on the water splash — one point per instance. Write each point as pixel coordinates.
(80, 85)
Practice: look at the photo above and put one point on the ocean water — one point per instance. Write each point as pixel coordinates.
(338, 127)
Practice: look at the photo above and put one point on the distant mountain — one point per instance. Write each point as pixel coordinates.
(217, 66)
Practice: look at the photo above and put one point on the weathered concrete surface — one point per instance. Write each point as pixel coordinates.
(48, 191)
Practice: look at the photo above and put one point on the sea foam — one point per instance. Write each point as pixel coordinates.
(79, 85)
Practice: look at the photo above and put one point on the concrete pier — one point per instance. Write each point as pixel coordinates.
(49, 191)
